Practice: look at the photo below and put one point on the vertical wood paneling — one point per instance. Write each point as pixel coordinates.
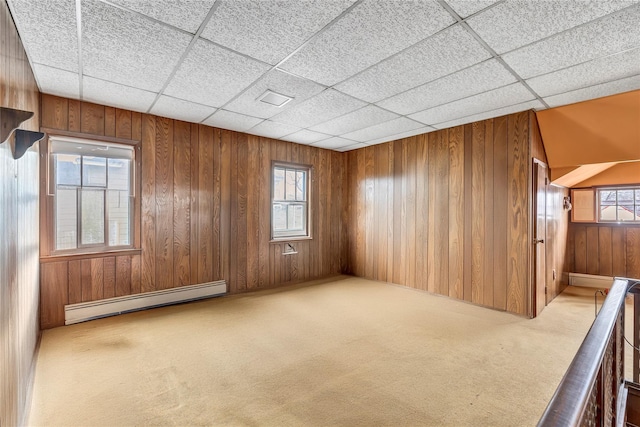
(500, 211)
(633, 252)
(422, 212)
(456, 212)
(618, 252)
(605, 261)
(477, 212)
(123, 275)
(518, 238)
(53, 294)
(182, 203)
(441, 218)
(593, 253)
(409, 223)
(148, 271)
(109, 277)
(164, 236)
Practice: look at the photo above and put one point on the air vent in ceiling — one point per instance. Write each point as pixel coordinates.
(273, 98)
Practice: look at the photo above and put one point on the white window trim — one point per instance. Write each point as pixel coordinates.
(292, 235)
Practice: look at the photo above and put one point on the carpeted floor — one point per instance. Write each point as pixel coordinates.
(345, 351)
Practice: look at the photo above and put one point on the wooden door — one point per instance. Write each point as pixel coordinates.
(540, 234)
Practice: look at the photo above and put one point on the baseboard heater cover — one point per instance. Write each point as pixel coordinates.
(590, 280)
(81, 312)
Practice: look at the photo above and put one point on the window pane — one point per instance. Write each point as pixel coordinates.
(637, 196)
(94, 171)
(92, 217)
(291, 184)
(66, 218)
(279, 217)
(67, 169)
(625, 197)
(296, 218)
(300, 186)
(607, 198)
(118, 214)
(625, 213)
(119, 174)
(278, 184)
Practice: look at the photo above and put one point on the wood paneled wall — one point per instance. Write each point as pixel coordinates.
(604, 249)
(205, 211)
(556, 241)
(19, 230)
(447, 212)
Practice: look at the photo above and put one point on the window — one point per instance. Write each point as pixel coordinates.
(290, 201)
(92, 194)
(620, 204)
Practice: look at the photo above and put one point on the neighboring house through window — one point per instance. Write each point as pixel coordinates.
(621, 204)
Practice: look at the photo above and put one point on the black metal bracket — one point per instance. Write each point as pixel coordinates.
(10, 119)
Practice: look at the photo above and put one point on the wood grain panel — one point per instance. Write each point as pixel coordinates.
(456, 212)
(605, 261)
(478, 238)
(518, 219)
(75, 282)
(422, 212)
(182, 203)
(53, 293)
(123, 124)
(500, 212)
(92, 118)
(55, 112)
(580, 249)
(109, 121)
(122, 275)
(409, 223)
(109, 277)
(618, 252)
(164, 233)
(593, 252)
(148, 270)
(633, 252)
(489, 276)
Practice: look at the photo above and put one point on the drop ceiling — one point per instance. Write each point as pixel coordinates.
(359, 72)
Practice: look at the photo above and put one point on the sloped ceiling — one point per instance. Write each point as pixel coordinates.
(360, 72)
(585, 139)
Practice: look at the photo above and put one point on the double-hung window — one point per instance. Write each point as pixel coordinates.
(290, 201)
(92, 193)
(621, 204)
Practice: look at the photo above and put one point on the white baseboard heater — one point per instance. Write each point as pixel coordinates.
(590, 280)
(81, 312)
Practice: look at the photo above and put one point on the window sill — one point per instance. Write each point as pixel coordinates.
(86, 255)
(289, 239)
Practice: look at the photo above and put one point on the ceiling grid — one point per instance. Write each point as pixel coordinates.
(360, 72)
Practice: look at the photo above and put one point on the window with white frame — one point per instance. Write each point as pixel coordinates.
(93, 194)
(619, 204)
(290, 201)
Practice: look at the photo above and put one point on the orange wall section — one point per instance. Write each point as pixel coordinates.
(620, 174)
(596, 131)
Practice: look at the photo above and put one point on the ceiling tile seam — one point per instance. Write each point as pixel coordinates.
(396, 54)
(29, 59)
(353, 111)
(482, 112)
(466, 97)
(186, 52)
(147, 17)
(601, 18)
(593, 85)
(491, 6)
(79, 32)
(489, 49)
(432, 81)
(296, 50)
(585, 62)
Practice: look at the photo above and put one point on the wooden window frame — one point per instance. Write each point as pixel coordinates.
(291, 236)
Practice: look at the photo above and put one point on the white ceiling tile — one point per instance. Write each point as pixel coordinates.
(446, 52)
(57, 82)
(597, 91)
(272, 129)
(325, 106)
(369, 33)
(598, 71)
(181, 110)
(123, 47)
(212, 75)
(115, 95)
(535, 104)
(233, 121)
(498, 98)
(466, 8)
(355, 146)
(276, 81)
(270, 30)
(399, 125)
(306, 136)
(334, 143)
(52, 41)
(183, 14)
(481, 77)
(612, 34)
(513, 24)
(362, 118)
(417, 131)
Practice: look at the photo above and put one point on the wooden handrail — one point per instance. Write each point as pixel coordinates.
(570, 401)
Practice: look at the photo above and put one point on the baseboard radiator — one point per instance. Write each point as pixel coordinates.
(81, 312)
(590, 280)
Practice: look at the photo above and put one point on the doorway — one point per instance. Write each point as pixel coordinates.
(540, 182)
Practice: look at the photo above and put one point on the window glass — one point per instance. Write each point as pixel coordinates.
(94, 171)
(66, 218)
(290, 207)
(67, 169)
(119, 215)
(92, 216)
(619, 204)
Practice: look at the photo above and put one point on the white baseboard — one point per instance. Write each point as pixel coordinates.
(81, 312)
(590, 280)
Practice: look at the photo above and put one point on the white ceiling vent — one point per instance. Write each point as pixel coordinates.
(273, 98)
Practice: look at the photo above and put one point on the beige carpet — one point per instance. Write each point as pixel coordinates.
(347, 351)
